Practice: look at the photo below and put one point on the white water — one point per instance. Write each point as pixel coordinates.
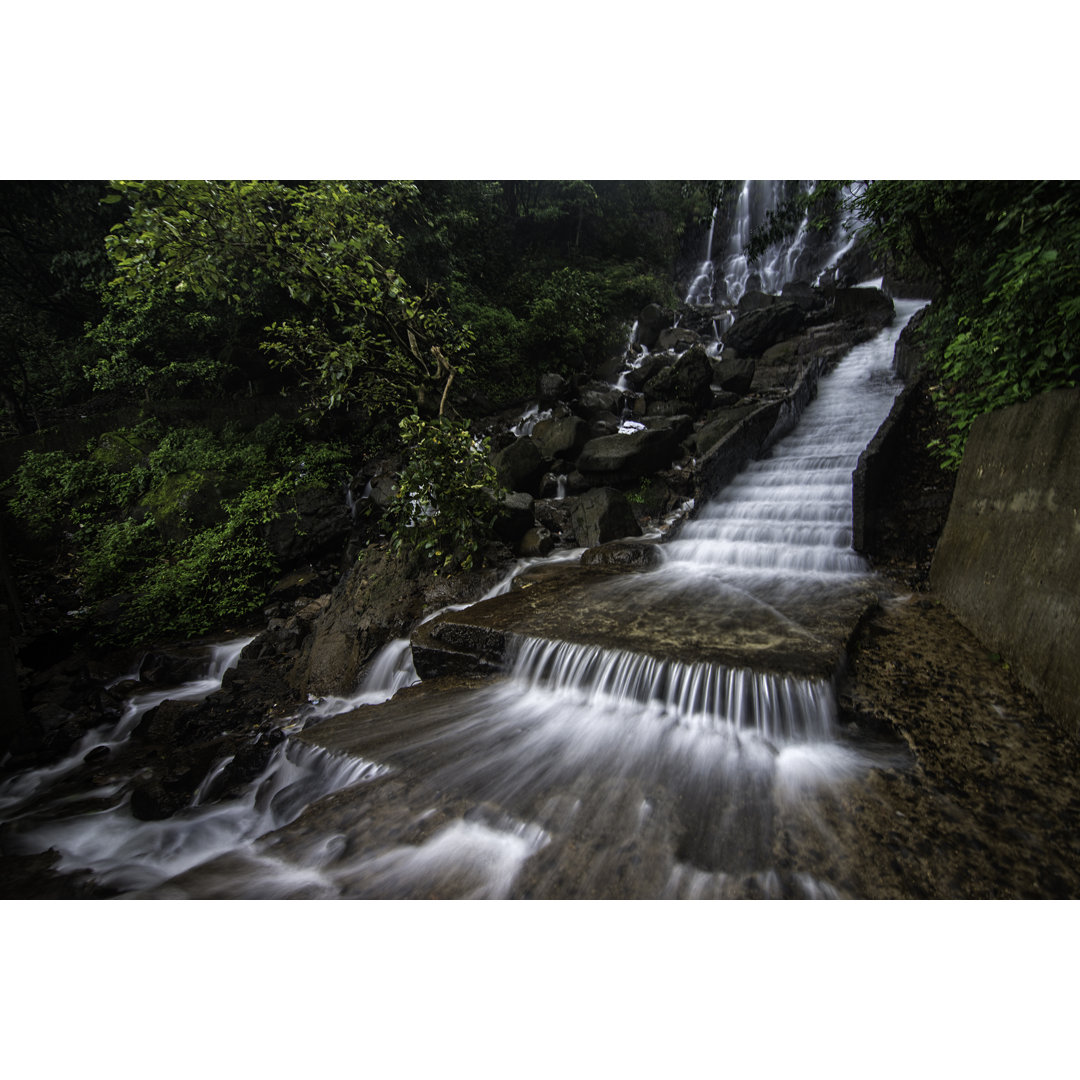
(567, 743)
(787, 518)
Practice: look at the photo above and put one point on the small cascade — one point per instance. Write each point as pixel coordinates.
(23, 787)
(787, 517)
(698, 697)
(700, 293)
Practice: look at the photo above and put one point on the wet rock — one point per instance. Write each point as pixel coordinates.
(626, 457)
(734, 376)
(515, 517)
(538, 541)
(598, 401)
(688, 379)
(603, 514)
(553, 388)
(753, 332)
(520, 465)
(677, 338)
(652, 320)
(623, 555)
(560, 438)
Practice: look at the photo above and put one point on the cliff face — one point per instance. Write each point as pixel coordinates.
(1008, 564)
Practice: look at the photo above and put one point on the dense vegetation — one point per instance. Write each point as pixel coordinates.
(385, 317)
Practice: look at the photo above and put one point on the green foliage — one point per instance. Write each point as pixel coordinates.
(160, 342)
(175, 520)
(315, 264)
(1024, 337)
(448, 495)
(565, 324)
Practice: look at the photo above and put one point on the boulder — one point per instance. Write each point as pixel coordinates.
(754, 331)
(603, 514)
(595, 400)
(623, 555)
(734, 376)
(520, 465)
(515, 517)
(552, 389)
(638, 376)
(869, 307)
(652, 320)
(561, 438)
(688, 379)
(629, 456)
(677, 338)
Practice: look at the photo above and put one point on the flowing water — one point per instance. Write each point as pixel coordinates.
(585, 771)
(589, 770)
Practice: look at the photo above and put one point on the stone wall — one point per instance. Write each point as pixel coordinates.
(1008, 564)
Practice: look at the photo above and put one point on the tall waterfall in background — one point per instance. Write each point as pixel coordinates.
(783, 262)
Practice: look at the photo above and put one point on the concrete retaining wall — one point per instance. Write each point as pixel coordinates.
(1008, 564)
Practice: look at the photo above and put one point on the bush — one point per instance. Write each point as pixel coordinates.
(448, 495)
(175, 519)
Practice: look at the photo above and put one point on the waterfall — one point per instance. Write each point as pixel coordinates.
(701, 288)
(585, 768)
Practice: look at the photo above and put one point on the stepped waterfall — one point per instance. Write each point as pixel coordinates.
(585, 769)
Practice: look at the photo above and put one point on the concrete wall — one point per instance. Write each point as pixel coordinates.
(1008, 564)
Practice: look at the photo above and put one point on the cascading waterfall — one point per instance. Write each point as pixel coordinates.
(685, 763)
(701, 288)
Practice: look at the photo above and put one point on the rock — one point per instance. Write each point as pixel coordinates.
(307, 522)
(515, 517)
(637, 377)
(652, 320)
(623, 555)
(753, 332)
(561, 438)
(520, 465)
(536, 542)
(596, 401)
(553, 388)
(604, 424)
(629, 456)
(688, 379)
(870, 307)
(805, 295)
(734, 376)
(603, 514)
(677, 338)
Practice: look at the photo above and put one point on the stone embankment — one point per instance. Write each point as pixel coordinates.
(1008, 564)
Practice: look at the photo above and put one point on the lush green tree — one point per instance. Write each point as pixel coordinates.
(448, 494)
(315, 264)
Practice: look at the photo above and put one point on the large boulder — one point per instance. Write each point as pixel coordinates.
(868, 307)
(678, 338)
(638, 376)
(755, 330)
(597, 400)
(553, 388)
(652, 320)
(688, 379)
(520, 466)
(560, 438)
(627, 456)
(735, 375)
(601, 515)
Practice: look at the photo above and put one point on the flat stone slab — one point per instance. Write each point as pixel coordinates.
(774, 628)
